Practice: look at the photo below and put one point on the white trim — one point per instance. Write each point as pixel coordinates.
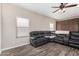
(13, 47)
(1, 27)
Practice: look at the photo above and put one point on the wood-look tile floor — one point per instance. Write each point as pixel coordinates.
(50, 49)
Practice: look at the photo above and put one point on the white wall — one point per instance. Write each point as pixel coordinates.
(0, 28)
(10, 12)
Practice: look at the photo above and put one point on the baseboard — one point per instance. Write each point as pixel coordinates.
(13, 47)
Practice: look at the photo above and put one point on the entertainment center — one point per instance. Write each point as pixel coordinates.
(68, 25)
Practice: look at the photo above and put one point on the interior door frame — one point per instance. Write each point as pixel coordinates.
(0, 26)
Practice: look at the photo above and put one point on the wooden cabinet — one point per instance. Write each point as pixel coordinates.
(70, 25)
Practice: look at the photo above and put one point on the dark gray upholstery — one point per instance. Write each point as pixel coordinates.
(74, 39)
(62, 38)
(38, 38)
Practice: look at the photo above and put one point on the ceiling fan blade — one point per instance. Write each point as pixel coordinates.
(71, 6)
(55, 7)
(56, 10)
(65, 4)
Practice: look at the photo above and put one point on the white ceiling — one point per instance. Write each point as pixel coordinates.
(45, 9)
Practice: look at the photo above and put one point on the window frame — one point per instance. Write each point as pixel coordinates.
(22, 27)
(51, 28)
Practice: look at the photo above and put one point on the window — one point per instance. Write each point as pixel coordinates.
(51, 27)
(22, 27)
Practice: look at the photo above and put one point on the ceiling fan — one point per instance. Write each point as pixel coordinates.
(62, 6)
